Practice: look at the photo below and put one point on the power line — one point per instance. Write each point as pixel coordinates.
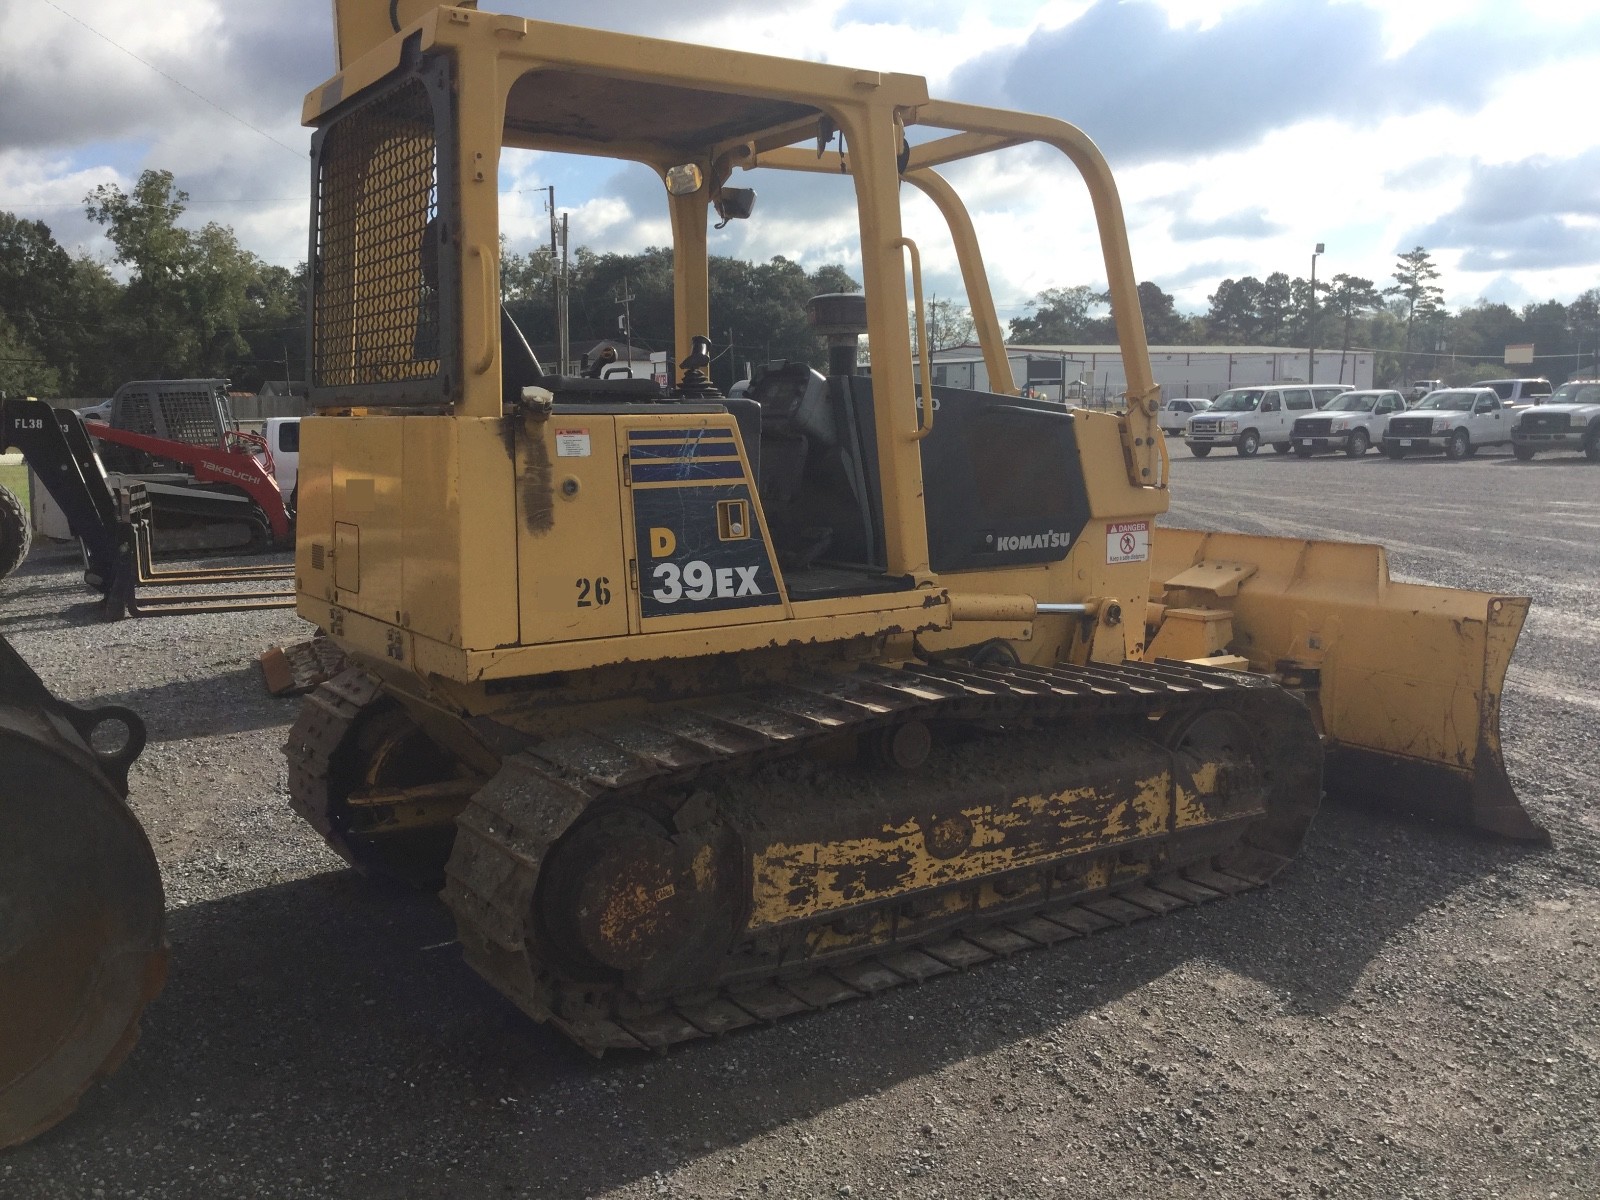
(50, 206)
(171, 79)
(9, 204)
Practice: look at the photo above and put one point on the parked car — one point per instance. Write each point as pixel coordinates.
(1246, 417)
(1352, 422)
(1421, 387)
(97, 412)
(1323, 393)
(1568, 420)
(1519, 393)
(1459, 421)
(1177, 411)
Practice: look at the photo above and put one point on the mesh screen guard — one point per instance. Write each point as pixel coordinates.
(193, 414)
(383, 236)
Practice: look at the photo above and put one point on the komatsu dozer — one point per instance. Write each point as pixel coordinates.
(702, 710)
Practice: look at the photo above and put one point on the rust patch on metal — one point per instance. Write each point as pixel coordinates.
(852, 885)
(536, 490)
(947, 836)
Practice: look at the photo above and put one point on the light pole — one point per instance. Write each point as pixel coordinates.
(1311, 325)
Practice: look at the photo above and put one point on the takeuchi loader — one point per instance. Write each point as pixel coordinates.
(704, 711)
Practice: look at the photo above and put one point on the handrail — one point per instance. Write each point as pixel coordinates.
(489, 302)
(924, 351)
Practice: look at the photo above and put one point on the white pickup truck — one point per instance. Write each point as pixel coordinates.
(283, 440)
(1459, 421)
(1568, 420)
(1352, 422)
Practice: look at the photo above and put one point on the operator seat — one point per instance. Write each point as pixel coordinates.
(811, 483)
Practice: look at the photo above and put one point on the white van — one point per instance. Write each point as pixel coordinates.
(1246, 417)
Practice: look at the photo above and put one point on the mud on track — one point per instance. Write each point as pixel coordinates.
(1404, 1012)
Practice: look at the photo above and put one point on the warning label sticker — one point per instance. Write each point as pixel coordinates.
(1128, 541)
(572, 443)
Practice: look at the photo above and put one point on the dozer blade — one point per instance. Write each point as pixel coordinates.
(1406, 678)
(81, 944)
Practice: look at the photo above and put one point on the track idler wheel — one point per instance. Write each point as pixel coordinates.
(81, 944)
(1255, 759)
(626, 897)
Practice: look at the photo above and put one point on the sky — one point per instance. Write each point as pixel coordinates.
(1241, 132)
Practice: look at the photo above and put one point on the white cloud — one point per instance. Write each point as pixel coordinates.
(1241, 131)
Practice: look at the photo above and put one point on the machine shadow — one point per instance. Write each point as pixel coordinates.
(48, 593)
(327, 1029)
(1569, 458)
(227, 702)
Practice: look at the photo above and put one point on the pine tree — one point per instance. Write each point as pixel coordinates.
(1414, 274)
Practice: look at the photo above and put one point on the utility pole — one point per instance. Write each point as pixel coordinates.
(558, 280)
(626, 300)
(1311, 325)
(563, 318)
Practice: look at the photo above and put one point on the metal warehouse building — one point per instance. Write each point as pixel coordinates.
(1095, 374)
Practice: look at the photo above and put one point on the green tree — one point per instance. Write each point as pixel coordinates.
(35, 279)
(1164, 325)
(24, 371)
(1348, 297)
(1235, 313)
(192, 295)
(275, 335)
(1584, 314)
(949, 324)
(758, 310)
(1414, 274)
(153, 331)
(1485, 329)
(36, 325)
(1064, 316)
(94, 313)
(1548, 325)
(1276, 310)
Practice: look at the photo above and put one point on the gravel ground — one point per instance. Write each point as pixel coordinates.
(1406, 1012)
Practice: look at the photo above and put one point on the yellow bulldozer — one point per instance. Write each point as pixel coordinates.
(703, 711)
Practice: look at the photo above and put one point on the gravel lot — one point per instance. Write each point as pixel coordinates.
(1407, 1012)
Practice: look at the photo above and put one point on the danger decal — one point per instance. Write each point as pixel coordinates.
(1127, 541)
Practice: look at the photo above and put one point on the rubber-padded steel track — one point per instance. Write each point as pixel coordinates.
(512, 823)
(326, 717)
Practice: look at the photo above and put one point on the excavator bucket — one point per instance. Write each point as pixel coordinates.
(1405, 678)
(81, 943)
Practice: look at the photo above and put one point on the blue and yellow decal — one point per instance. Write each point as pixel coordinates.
(696, 526)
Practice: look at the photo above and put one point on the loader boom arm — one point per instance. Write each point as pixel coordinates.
(56, 446)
